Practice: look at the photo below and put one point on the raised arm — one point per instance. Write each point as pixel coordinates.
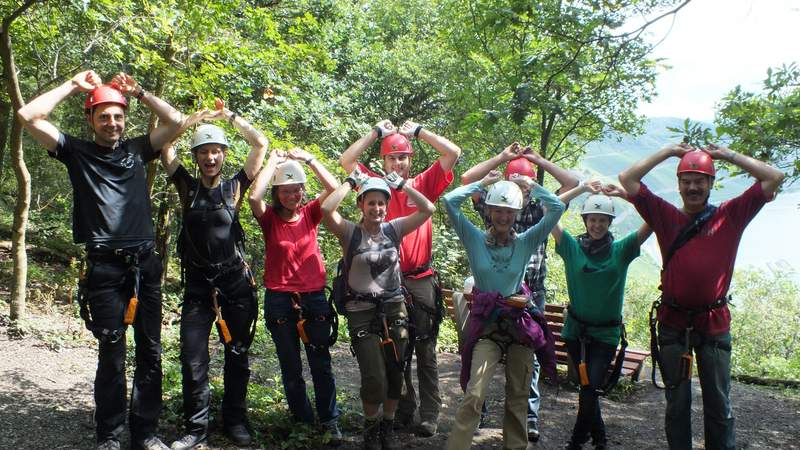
(257, 141)
(643, 233)
(330, 216)
(770, 177)
(448, 150)
(480, 170)
(350, 157)
(425, 207)
(631, 178)
(169, 157)
(169, 118)
(592, 186)
(34, 116)
(259, 187)
(554, 208)
(329, 182)
(565, 178)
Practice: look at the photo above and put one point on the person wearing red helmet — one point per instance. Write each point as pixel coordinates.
(415, 253)
(698, 243)
(521, 167)
(112, 217)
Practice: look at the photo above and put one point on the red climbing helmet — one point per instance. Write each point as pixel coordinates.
(105, 94)
(396, 144)
(520, 166)
(697, 161)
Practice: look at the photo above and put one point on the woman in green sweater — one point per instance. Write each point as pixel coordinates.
(596, 266)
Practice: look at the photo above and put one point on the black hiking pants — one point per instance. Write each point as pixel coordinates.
(197, 319)
(590, 420)
(109, 288)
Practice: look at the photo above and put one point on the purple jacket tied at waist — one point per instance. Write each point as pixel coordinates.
(532, 331)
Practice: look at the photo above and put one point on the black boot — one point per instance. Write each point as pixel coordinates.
(372, 434)
(388, 439)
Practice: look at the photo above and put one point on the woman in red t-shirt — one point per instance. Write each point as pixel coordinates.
(295, 307)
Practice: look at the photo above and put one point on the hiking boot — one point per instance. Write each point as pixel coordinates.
(151, 443)
(427, 428)
(335, 434)
(372, 434)
(533, 432)
(484, 420)
(403, 420)
(238, 434)
(571, 445)
(388, 439)
(108, 444)
(189, 442)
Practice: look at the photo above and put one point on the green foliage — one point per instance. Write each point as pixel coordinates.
(693, 133)
(766, 325)
(766, 125)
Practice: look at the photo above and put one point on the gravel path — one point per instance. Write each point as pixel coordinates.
(46, 402)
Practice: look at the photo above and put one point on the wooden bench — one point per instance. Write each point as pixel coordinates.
(634, 359)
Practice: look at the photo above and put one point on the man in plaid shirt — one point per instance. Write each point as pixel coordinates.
(521, 169)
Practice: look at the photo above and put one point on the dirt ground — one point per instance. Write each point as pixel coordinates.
(46, 402)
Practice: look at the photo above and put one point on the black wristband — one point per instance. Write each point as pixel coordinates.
(401, 185)
(351, 182)
(417, 130)
(140, 94)
(232, 118)
(378, 131)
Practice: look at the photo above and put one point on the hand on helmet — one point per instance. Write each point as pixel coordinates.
(87, 80)
(511, 152)
(410, 129)
(125, 83)
(385, 128)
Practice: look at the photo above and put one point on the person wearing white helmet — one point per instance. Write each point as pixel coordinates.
(112, 217)
(521, 168)
(596, 267)
(416, 255)
(218, 283)
(502, 326)
(295, 308)
(377, 318)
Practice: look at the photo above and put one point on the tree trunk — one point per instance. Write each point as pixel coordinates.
(5, 121)
(18, 255)
(163, 232)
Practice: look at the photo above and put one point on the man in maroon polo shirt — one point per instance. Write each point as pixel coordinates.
(693, 315)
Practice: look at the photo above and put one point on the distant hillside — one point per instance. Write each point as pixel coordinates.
(609, 157)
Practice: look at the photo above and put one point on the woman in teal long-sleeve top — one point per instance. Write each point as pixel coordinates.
(498, 258)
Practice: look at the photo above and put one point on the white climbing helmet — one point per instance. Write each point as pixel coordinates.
(208, 134)
(598, 204)
(504, 193)
(288, 172)
(375, 184)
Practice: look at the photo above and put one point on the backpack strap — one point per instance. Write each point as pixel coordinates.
(688, 232)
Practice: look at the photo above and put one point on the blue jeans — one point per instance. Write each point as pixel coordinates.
(282, 320)
(533, 396)
(713, 354)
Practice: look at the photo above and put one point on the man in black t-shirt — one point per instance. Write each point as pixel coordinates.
(112, 217)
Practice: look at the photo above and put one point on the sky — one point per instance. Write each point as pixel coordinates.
(714, 45)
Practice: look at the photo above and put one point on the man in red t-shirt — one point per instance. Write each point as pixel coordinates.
(415, 252)
(693, 313)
